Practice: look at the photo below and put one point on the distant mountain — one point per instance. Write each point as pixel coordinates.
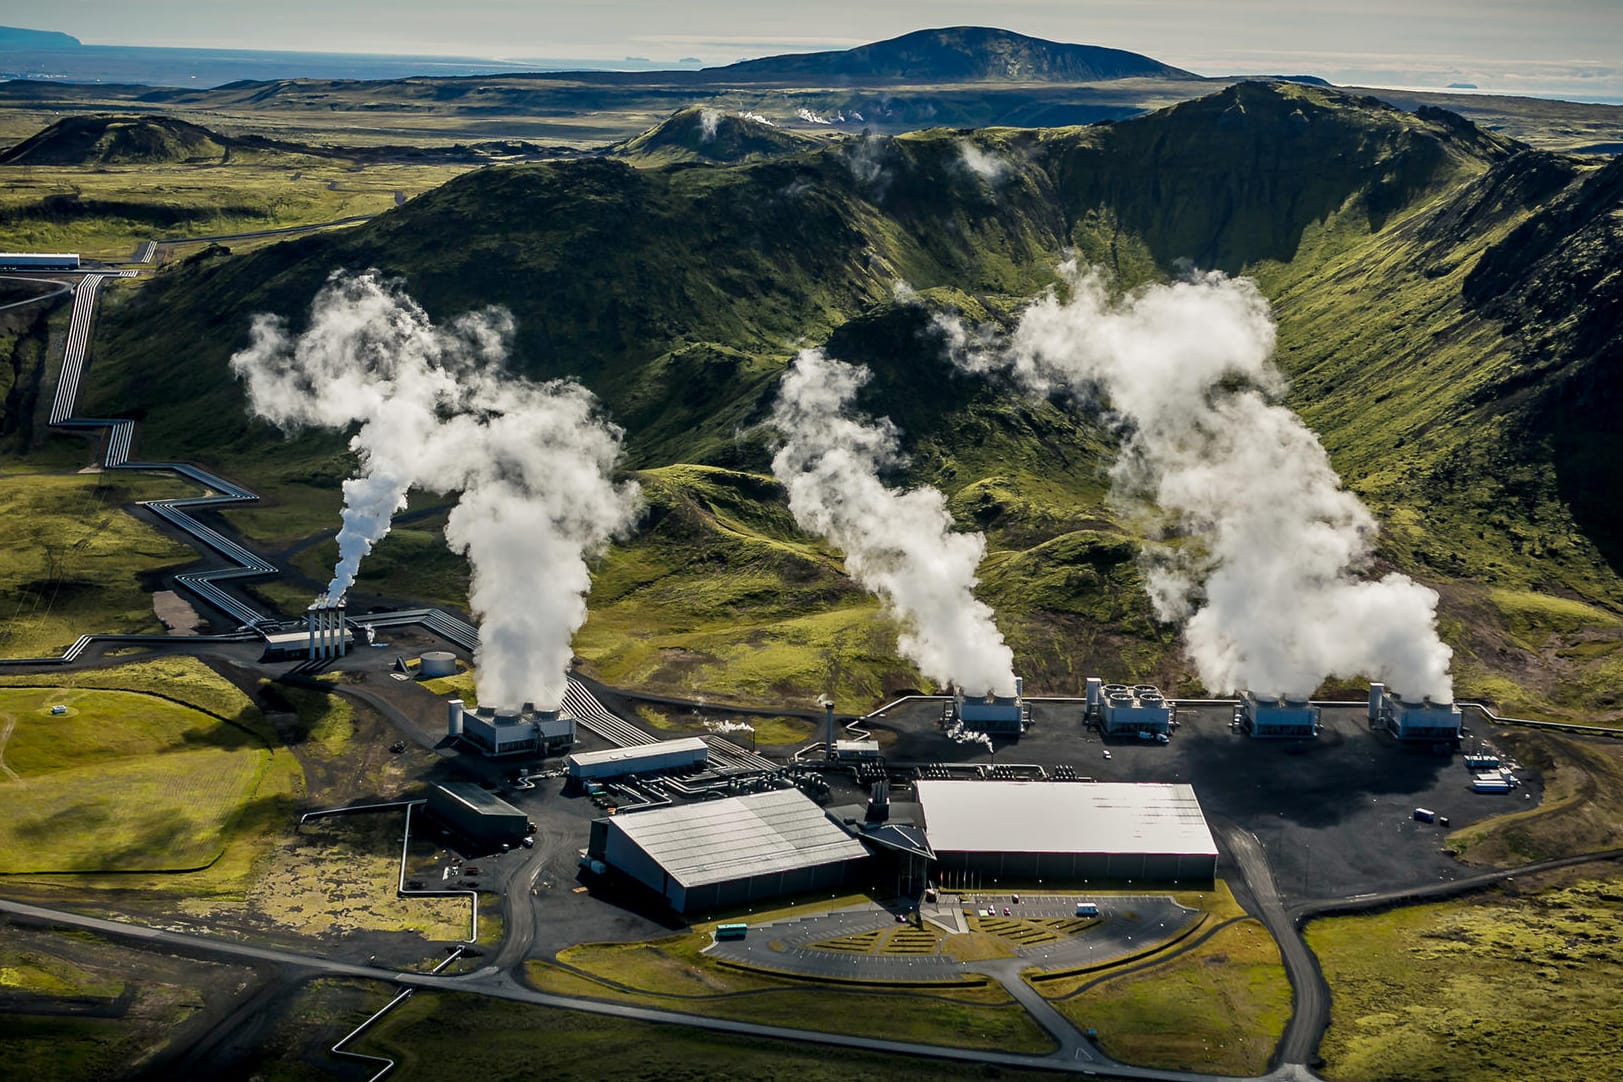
(113, 139)
(702, 134)
(958, 54)
(15, 37)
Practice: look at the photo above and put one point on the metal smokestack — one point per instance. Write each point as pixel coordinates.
(453, 720)
(828, 728)
(1376, 693)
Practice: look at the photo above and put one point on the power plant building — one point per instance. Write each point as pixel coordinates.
(1101, 832)
(510, 731)
(1412, 720)
(992, 713)
(478, 814)
(1282, 718)
(722, 853)
(1121, 710)
(643, 759)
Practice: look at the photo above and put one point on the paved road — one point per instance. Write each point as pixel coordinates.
(1310, 995)
(61, 288)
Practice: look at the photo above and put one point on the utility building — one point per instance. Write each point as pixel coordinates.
(643, 759)
(1067, 834)
(1420, 721)
(526, 731)
(478, 814)
(1281, 718)
(990, 713)
(722, 853)
(1124, 711)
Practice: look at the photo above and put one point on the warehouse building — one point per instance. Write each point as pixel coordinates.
(1068, 833)
(643, 759)
(724, 853)
(477, 814)
(1282, 718)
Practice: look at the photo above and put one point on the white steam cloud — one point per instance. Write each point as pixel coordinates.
(533, 461)
(1262, 550)
(371, 356)
(708, 121)
(901, 545)
(989, 167)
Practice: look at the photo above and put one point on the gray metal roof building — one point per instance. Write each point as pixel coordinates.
(638, 759)
(1068, 832)
(731, 852)
(478, 814)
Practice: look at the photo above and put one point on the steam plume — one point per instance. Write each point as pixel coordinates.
(372, 356)
(1261, 549)
(532, 462)
(900, 545)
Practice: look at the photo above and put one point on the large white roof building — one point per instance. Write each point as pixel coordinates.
(1022, 831)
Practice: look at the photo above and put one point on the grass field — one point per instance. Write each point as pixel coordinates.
(672, 973)
(119, 206)
(1468, 990)
(73, 558)
(122, 781)
(224, 787)
(1218, 1008)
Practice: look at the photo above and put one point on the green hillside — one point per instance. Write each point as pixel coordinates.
(105, 139)
(1447, 300)
(709, 135)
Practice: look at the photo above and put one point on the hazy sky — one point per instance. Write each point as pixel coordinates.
(1569, 47)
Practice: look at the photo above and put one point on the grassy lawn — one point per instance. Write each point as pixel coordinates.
(1581, 810)
(1464, 990)
(131, 781)
(122, 781)
(1218, 1008)
(74, 557)
(671, 973)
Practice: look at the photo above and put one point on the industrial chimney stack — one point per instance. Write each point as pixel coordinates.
(828, 729)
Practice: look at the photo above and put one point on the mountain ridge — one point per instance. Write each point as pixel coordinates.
(678, 292)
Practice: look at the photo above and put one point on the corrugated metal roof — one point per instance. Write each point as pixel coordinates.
(1063, 817)
(722, 840)
(640, 751)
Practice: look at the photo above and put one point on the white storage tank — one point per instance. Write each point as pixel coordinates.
(437, 663)
(453, 719)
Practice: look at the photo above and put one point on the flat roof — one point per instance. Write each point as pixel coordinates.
(717, 841)
(640, 751)
(476, 799)
(1063, 817)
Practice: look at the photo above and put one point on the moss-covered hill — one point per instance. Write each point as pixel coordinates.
(111, 139)
(1448, 305)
